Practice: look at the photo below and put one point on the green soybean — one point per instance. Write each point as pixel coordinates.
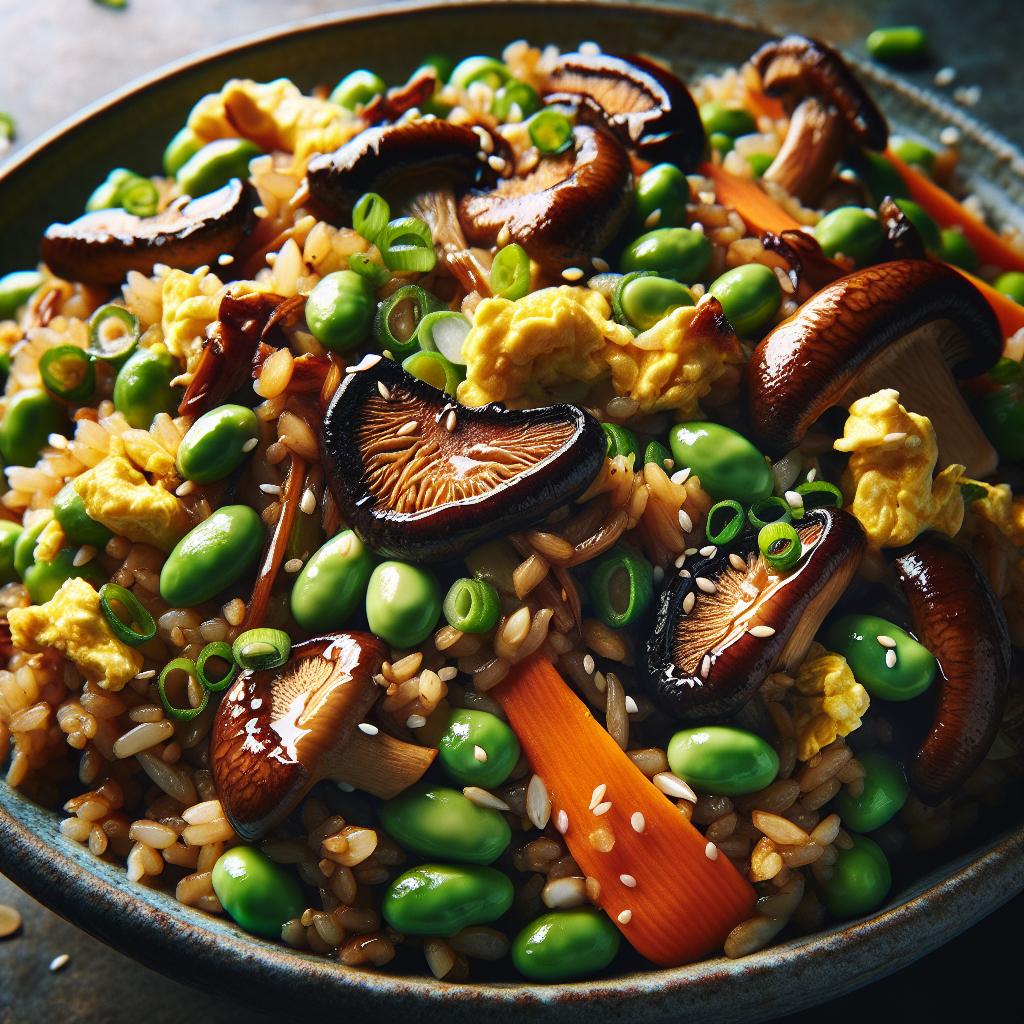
(759, 163)
(442, 899)
(143, 387)
(486, 70)
(515, 97)
(861, 880)
(644, 300)
(1011, 284)
(469, 730)
(721, 143)
(340, 309)
(565, 944)
(885, 793)
(926, 226)
(440, 822)
(180, 150)
(332, 584)
(259, 895)
(217, 443)
(1000, 409)
(212, 556)
(898, 44)
(851, 231)
(16, 288)
(78, 526)
(9, 534)
(721, 759)
(32, 416)
(662, 190)
(902, 675)
(403, 603)
(44, 579)
(878, 175)
(657, 453)
(678, 253)
(24, 551)
(914, 153)
(750, 296)
(731, 121)
(728, 465)
(956, 249)
(215, 165)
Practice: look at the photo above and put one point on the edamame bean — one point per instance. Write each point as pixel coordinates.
(212, 556)
(16, 289)
(662, 190)
(885, 793)
(721, 759)
(657, 453)
(339, 310)
(24, 551)
(678, 253)
(886, 660)
(914, 153)
(852, 232)
(750, 296)
(78, 526)
(898, 44)
(878, 175)
(1000, 409)
(861, 880)
(646, 300)
(956, 249)
(9, 534)
(180, 150)
(32, 416)
(515, 97)
(440, 822)
(442, 899)
(217, 443)
(215, 165)
(487, 70)
(759, 163)
(44, 579)
(730, 121)
(926, 227)
(728, 465)
(469, 730)
(566, 944)
(143, 386)
(332, 583)
(720, 142)
(259, 895)
(1011, 284)
(357, 88)
(403, 603)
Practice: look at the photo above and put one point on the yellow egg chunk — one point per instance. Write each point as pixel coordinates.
(1001, 509)
(190, 304)
(143, 450)
(888, 482)
(73, 623)
(826, 700)
(50, 542)
(117, 495)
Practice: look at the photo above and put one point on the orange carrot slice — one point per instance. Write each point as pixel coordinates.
(668, 897)
(759, 211)
(1010, 314)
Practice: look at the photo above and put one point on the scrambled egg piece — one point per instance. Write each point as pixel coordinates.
(117, 495)
(73, 623)
(142, 449)
(536, 349)
(50, 542)
(276, 116)
(191, 302)
(1001, 509)
(888, 482)
(827, 701)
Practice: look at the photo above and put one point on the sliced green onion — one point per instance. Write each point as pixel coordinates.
(621, 587)
(550, 131)
(972, 491)
(435, 370)
(471, 606)
(780, 545)
(68, 372)
(444, 331)
(820, 494)
(515, 101)
(510, 272)
(113, 333)
(407, 244)
(139, 197)
(398, 319)
(182, 714)
(362, 265)
(370, 215)
(769, 510)
(139, 627)
(217, 649)
(260, 649)
(725, 520)
(657, 453)
(620, 440)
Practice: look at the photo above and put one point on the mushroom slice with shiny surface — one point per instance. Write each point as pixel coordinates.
(957, 617)
(280, 731)
(100, 248)
(419, 476)
(564, 212)
(720, 629)
(828, 110)
(912, 325)
(645, 105)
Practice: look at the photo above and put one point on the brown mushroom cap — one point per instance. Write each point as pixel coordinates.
(902, 240)
(958, 618)
(564, 212)
(911, 325)
(100, 248)
(706, 663)
(809, 268)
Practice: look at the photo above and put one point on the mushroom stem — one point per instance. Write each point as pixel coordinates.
(437, 208)
(810, 151)
(380, 765)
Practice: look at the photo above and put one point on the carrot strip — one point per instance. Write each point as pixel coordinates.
(676, 904)
(1010, 314)
(759, 211)
(947, 212)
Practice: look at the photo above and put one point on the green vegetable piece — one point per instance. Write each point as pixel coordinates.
(621, 587)
(212, 556)
(926, 227)
(339, 310)
(861, 881)
(885, 793)
(24, 552)
(217, 443)
(678, 253)
(9, 534)
(620, 440)
(357, 88)
(259, 895)
(108, 193)
(180, 150)
(436, 821)
(472, 606)
(723, 760)
(720, 142)
(878, 175)
(731, 121)
(442, 899)
(725, 521)
(956, 249)
(143, 387)
(399, 316)
(566, 944)
(16, 288)
(32, 416)
(442, 65)
(261, 648)
(780, 546)
(856, 638)
(113, 334)
(403, 603)
(1011, 284)
(78, 526)
(914, 153)
(332, 584)
(128, 617)
(444, 331)
(851, 231)
(646, 299)
(510, 272)
(550, 131)
(662, 194)
(215, 165)
(1000, 410)
(469, 729)
(433, 368)
(44, 579)
(486, 70)
(898, 44)
(750, 296)
(759, 163)
(728, 465)
(656, 452)
(515, 98)
(68, 372)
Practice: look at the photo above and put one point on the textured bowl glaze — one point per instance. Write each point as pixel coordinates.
(51, 181)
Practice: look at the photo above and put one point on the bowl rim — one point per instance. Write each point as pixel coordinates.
(189, 948)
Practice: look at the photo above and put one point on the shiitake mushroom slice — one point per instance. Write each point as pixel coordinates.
(728, 619)
(420, 477)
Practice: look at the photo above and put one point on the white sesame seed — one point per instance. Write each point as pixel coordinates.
(638, 822)
(688, 602)
(572, 273)
(250, 444)
(890, 659)
(762, 632)
(886, 641)
(631, 708)
(345, 787)
(368, 728)
(504, 236)
(680, 561)
(671, 785)
(657, 574)
(484, 799)
(685, 574)
(945, 76)
(690, 551)
(895, 437)
(588, 664)
(600, 682)
(496, 163)
(84, 555)
(261, 211)
(625, 917)
(562, 822)
(709, 551)
(598, 795)
(600, 265)
(705, 666)
(628, 881)
(225, 259)
(685, 521)
(293, 565)
(811, 474)
(479, 754)
(708, 586)
(415, 722)
(384, 392)
(447, 674)
(795, 500)
(270, 489)
(58, 963)
(408, 427)
(451, 421)
(652, 219)
(602, 808)
(58, 441)
(711, 851)
(680, 476)
(737, 562)
(308, 502)
(148, 673)
(184, 488)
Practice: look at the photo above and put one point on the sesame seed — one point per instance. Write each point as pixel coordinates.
(250, 444)
(668, 463)
(479, 754)
(685, 521)
(10, 921)
(600, 265)
(709, 551)
(562, 822)
(945, 76)
(504, 236)
(187, 487)
(225, 259)
(895, 437)
(685, 574)
(681, 561)
(602, 808)
(486, 142)
(58, 441)
(368, 728)
(58, 963)
(308, 502)
(638, 821)
(415, 722)
(588, 664)
(408, 427)
(148, 673)
(628, 880)
(293, 565)
(345, 787)
(261, 211)
(625, 917)
(658, 574)
(572, 273)
(795, 500)
(762, 632)
(737, 562)
(600, 682)
(598, 795)
(890, 659)
(708, 586)
(671, 785)
(631, 708)
(383, 389)
(84, 555)
(680, 476)
(447, 674)
(688, 602)
(652, 219)
(886, 641)
(484, 799)
(705, 666)
(451, 421)
(811, 474)
(711, 851)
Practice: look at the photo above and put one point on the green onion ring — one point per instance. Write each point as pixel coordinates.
(114, 593)
(780, 545)
(361, 264)
(820, 494)
(510, 272)
(370, 215)
(472, 606)
(216, 649)
(407, 244)
(260, 649)
(621, 587)
(732, 525)
(435, 370)
(180, 714)
(620, 440)
(139, 197)
(769, 510)
(550, 131)
(116, 347)
(398, 319)
(68, 372)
